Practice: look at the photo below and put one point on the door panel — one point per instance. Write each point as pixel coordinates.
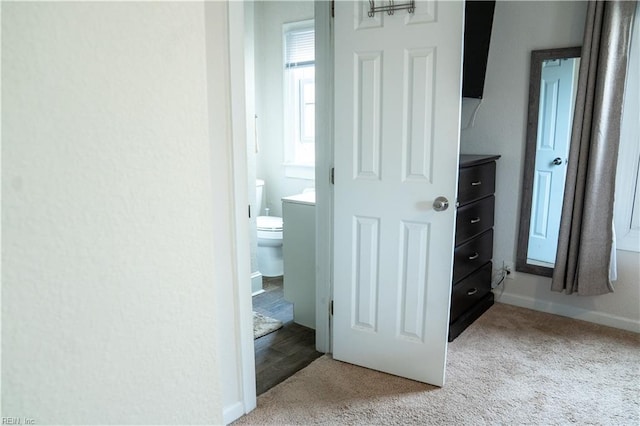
(397, 121)
(417, 147)
(368, 108)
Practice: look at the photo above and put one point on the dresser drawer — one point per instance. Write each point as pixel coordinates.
(469, 291)
(476, 182)
(474, 219)
(471, 255)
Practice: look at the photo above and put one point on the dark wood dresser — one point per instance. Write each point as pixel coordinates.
(472, 268)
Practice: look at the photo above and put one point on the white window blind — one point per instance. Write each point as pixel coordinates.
(299, 99)
(300, 47)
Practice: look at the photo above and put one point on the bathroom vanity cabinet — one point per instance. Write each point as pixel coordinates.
(472, 268)
(299, 256)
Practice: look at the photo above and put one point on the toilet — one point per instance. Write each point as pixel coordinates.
(269, 238)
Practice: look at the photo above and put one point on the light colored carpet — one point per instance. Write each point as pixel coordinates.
(512, 366)
(263, 325)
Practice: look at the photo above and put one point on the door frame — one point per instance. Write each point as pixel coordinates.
(244, 388)
(324, 166)
(245, 360)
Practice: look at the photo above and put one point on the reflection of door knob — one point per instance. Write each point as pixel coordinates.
(440, 204)
(557, 161)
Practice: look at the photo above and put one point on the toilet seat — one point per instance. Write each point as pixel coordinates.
(269, 223)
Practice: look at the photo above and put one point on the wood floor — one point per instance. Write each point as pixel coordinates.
(282, 353)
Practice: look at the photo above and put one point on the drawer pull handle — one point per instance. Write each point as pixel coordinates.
(474, 256)
(472, 292)
(475, 220)
(478, 183)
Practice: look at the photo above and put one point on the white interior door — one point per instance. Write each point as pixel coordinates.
(397, 122)
(557, 94)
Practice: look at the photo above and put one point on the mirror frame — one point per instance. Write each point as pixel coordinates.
(535, 73)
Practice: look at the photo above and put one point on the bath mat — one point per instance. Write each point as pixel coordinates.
(263, 325)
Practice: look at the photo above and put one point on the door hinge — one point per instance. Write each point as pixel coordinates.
(332, 178)
(331, 308)
(333, 8)
(249, 211)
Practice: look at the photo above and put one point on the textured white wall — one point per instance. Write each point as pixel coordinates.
(500, 128)
(108, 269)
(269, 17)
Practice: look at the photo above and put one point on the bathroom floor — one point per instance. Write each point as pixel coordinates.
(282, 353)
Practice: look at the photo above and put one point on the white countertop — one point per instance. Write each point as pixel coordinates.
(308, 198)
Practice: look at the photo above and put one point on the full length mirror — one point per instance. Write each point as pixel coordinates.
(552, 89)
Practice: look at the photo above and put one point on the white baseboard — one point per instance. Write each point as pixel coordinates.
(569, 311)
(232, 412)
(256, 283)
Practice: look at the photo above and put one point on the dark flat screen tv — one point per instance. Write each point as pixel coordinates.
(477, 35)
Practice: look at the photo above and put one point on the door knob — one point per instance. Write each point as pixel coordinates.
(440, 204)
(557, 161)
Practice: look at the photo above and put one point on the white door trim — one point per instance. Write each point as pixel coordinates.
(242, 307)
(324, 163)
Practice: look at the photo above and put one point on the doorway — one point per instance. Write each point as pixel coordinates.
(280, 118)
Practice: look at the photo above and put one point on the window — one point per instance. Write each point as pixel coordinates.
(299, 99)
(627, 197)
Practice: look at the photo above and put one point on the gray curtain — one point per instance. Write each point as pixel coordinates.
(583, 259)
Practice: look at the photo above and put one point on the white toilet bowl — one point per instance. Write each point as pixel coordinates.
(270, 246)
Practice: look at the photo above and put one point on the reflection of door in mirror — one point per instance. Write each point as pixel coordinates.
(553, 86)
(558, 85)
